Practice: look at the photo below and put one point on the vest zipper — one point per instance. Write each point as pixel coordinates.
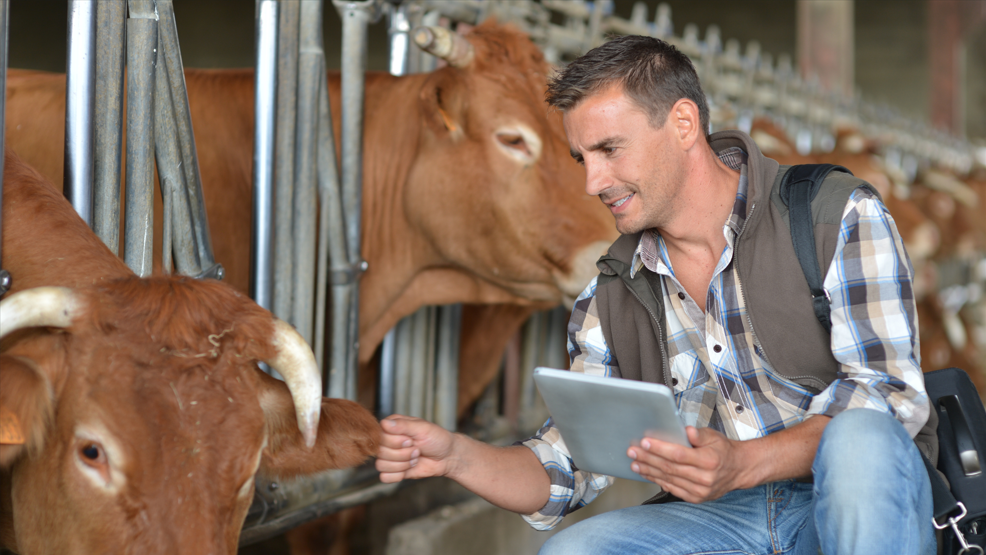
(660, 336)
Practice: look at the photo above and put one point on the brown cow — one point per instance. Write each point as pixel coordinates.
(141, 412)
(469, 191)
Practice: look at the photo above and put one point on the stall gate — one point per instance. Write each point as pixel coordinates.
(307, 205)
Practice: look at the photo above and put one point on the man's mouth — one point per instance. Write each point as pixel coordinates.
(620, 202)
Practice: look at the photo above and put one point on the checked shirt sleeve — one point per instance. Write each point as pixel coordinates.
(572, 488)
(874, 320)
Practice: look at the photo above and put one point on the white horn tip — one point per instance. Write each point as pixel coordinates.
(296, 364)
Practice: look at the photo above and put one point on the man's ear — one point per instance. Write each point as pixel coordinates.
(26, 408)
(347, 434)
(443, 104)
(686, 122)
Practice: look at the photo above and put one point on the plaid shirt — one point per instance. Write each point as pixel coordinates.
(874, 339)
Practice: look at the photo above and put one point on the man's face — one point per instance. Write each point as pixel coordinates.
(634, 167)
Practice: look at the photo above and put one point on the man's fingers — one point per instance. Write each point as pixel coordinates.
(402, 454)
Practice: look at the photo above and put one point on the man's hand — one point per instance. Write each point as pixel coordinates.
(412, 448)
(710, 469)
(716, 465)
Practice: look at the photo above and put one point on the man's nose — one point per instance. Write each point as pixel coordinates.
(596, 180)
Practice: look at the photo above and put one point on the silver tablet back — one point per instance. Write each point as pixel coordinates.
(600, 418)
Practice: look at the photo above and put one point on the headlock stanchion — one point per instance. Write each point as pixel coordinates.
(265, 87)
(142, 40)
(5, 281)
(110, 21)
(79, 103)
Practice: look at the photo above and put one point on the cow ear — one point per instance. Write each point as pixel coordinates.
(347, 434)
(443, 104)
(26, 408)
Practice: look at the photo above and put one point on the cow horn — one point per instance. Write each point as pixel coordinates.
(41, 306)
(295, 362)
(445, 44)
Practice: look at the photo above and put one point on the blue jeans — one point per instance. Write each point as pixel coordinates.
(871, 495)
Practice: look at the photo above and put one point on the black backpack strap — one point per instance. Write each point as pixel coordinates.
(798, 188)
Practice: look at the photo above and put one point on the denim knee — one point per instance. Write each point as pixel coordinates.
(864, 442)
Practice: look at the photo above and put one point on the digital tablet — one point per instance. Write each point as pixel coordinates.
(600, 418)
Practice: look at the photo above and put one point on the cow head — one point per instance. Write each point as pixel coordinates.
(492, 188)
(143, 417)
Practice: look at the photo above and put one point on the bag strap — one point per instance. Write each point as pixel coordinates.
(798, 188)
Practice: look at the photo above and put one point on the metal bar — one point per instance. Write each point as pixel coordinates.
(400, 56)
(168, 45)
(4, 32)
(402, 379)
(80, 99)
(138, 246)
(416, 362)
(447, 371)
(428, 359)
(167, 151)
(355, 18)
(310, 60)
(331, 241)
(166, 233)
(265, 89)
(111, 33)
(284, 154)
(399, 30)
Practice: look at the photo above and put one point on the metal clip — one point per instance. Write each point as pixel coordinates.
(953, 523)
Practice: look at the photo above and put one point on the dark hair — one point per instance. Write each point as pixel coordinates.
(651, 72)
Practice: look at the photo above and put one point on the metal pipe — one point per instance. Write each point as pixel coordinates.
(167, 153)
(4, 32)
(416, 362)
(399, 30)
(447, 366)
(110, 31)
(355, 18)
(265, 82)
(310, 60)
(80, 99)
(138, 246)
(331, 240)
(428, 359)
(168, 44)
(284, 154)
(402, 377)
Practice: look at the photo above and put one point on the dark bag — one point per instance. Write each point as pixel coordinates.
(959, 510)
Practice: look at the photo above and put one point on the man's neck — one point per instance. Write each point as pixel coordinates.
(706, 202)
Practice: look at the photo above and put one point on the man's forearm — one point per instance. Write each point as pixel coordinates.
(511, 478)
(783, 455)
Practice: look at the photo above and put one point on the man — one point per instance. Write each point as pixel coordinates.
(802, 438)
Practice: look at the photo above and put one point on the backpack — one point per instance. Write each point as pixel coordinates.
(959, 503)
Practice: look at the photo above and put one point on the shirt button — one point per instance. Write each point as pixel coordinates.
(674, 381)
(681, 295)
(739, 409)
(717, 348)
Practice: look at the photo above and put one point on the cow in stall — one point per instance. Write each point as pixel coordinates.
(938, 219)
(135, 416)
(469, 192)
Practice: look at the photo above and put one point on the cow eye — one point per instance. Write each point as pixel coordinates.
(92, 453)
(513, 141)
